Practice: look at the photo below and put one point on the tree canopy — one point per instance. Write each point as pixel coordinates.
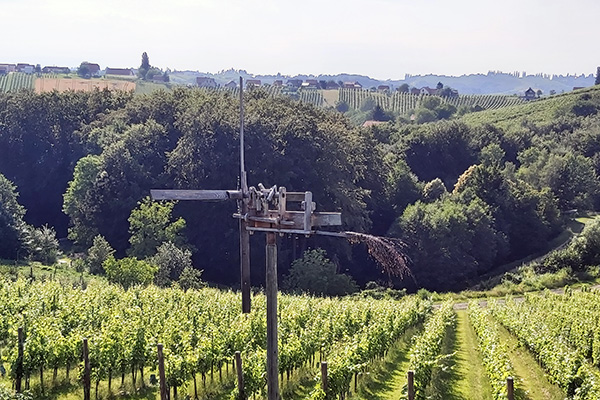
(87, 161)
(11, 219)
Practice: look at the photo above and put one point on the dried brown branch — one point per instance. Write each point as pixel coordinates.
(388, 252)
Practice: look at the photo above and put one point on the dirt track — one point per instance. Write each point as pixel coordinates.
(463, 305)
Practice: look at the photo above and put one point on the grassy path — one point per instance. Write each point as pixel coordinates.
(530, 376)
(387, 380)
(473, 383)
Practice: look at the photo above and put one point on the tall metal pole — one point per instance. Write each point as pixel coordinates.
(244, 234)
(272, 351)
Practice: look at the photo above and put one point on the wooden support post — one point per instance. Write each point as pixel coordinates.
(245, 261)
(87, 382)
(324, 376)
(19, 366)
(510, 388)
(243, 205)
(411, 385)
(240, 376)
(271, 292)
(164, 393)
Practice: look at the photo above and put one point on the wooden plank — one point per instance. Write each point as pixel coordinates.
(207, 195)
(295, 196)
(307, 220)
(317, 219)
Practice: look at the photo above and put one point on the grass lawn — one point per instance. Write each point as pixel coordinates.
(474, 384)
(387, 378)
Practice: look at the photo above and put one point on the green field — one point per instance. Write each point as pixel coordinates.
(370, 345)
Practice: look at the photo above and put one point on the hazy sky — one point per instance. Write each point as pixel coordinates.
(380, 38)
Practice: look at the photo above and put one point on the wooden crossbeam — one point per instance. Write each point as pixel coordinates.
(206, 195)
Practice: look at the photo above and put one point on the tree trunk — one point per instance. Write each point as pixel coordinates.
(109, 380)
(97, 383)
(133, 376)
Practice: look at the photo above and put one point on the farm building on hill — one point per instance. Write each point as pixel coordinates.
(56, 70)
(253, 82)
(6, 68)
(278, 83)
(310, 83)
(26, 68)
(352, 85)
(383, 88)
(530, 94)
(93, 69)
(231, 85)
(294, 83)
(332, 85)
(206, 82)
(428, 90)
(119, 71)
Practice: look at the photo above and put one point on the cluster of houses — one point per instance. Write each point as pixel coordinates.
(21, 67)
(92, 69)
(207, 82)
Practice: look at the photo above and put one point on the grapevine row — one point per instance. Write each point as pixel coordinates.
(564, 365)
(355, 350)
(495, 355)
(427, 347)
(402, 103)
(200, 330)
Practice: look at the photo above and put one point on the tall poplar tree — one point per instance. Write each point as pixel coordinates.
(145, 66)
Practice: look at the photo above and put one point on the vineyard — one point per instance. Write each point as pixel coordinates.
(202, 330)
(402, 103)
(16, 81)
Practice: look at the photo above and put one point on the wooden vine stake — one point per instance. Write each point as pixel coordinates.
(411, 385)
(240, 376)
(86, 371)
(19, 366)
(164, 394)
(510, 388)
(324, 376)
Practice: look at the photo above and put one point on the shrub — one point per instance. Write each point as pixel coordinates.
(129, 271)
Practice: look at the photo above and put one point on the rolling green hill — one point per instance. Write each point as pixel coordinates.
(539, 111)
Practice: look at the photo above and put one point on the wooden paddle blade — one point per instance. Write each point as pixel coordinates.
(206, 195)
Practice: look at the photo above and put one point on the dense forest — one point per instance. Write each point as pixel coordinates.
(466, 195)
